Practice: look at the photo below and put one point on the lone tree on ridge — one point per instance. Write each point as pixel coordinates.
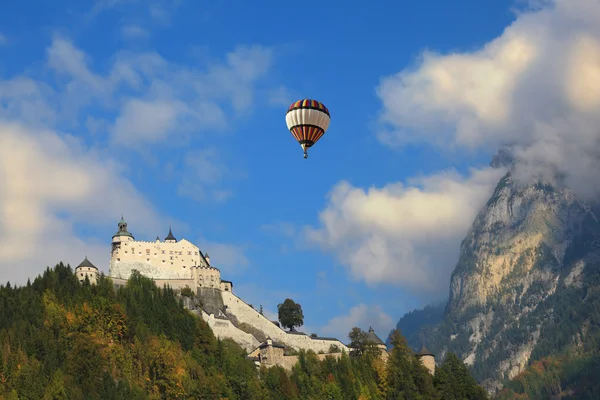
(290, 314)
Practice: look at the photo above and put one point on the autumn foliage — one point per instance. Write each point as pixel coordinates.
(61, 339)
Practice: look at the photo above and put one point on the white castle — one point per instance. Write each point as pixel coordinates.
(177, 263)
(180, 264)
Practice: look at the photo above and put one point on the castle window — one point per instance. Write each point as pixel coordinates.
(170, 252)
(163, 260)
(118, 259)
(189, 253)
(163, 252)
(125, 251)
(183, 266)
(171, 258)
(196, 253)
(180, 253)
(147, 259)
(147, 251)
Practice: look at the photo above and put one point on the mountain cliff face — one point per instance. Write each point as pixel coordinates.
(525, 285)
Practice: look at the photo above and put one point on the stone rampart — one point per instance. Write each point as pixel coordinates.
(246, 314)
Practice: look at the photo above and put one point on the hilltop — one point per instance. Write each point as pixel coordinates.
(65, 339)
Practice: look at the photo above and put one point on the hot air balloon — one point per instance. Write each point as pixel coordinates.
(307, 120)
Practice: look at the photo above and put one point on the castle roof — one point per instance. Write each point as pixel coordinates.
(372, 337)
(170, 235)
(123, 231)
(424, 352)
(86, 263)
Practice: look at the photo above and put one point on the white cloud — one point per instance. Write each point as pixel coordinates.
(535, 87)
(203, 175)
(229, 258)
(50, 184)
(361, 316)
(163, 100)
(131, 32)
(403, 235)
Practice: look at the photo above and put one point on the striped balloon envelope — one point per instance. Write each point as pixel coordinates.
(308, 121)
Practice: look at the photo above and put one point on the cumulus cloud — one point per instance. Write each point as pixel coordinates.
(54, 186)
(51, 185)
(535, 88)
(407, 235)
(168, 99)
(361, 316)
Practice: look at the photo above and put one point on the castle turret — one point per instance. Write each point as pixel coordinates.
(207, 257)
(373, 338)
(122, 235)
(170, 238)
(87, 269)
(427, 359)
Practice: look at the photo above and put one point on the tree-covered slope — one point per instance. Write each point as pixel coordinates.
(60, 339)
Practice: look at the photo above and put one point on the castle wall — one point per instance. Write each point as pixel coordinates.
(92, 274)
(224, 329)
(429, 363)
(163, 260)
(207, 277)
(177, 284)
(275, 357)
(246, 314)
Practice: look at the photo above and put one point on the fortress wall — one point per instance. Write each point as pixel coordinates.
(244, 313)
(288, 362)
(224, 329)
(159, 259)
(173, 283)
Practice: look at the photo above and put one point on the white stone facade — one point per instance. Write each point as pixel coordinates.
(87, 270)
(246, 314)
(179, 262)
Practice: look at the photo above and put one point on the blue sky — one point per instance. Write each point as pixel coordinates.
(173, 113)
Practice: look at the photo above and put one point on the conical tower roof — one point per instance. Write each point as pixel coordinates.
(424, 352)
(86, 263)
(170, 235)
(372, 337)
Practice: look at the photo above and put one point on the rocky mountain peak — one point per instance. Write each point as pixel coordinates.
(520, 228)
(530, 248)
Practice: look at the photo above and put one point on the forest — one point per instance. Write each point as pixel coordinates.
(62, 339)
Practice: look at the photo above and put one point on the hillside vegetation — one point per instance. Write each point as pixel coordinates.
(60, 339)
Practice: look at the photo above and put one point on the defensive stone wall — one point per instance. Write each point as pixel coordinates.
(246, 314)
(224, 329)
(176, 284)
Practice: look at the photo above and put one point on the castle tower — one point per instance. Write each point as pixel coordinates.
(87, 269)
(373, 338)
(122, 235)
(427, 359)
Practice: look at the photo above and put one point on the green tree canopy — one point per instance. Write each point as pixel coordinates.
(290, 314)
